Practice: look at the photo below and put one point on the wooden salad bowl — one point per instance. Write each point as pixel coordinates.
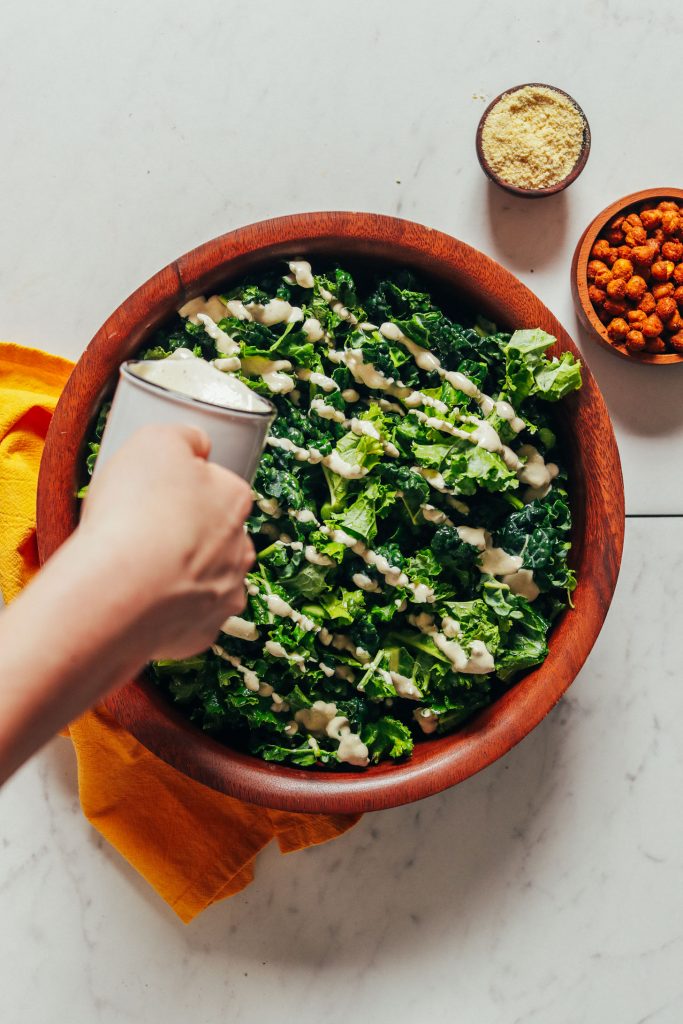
(461, 278)
(579, 277)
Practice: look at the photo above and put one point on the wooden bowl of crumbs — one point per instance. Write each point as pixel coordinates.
(627, 277)
(465, 280)
(533, 140)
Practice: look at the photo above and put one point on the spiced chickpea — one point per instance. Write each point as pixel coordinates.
(657, 345)
(614, 307)
(632, 219)
(635, 341)
(647, 303)
(615, 238)
(616, 223)
(636, 316)
(673, 250)
(624, 252)
(662, 270)
(643, 254)
(616, 288)
(651, 219)
(678, 295)
(600, 249)
(678, 274)
(611, 256)
(666, 308)
(635, 288)
(594, 268)
(667, 204)
(617, 329)
(622, 268)
(652, 326)
(675, 323)
(676, 341)
(660, 291)
(670, 222)
(596, 295)
(636, 236)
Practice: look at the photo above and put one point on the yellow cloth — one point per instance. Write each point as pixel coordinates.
(193, 845)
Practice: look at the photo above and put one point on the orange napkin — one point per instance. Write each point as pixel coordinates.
(193, 845)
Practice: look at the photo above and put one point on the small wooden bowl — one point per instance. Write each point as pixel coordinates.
(461, 278)
(579, 275)
(534, 193)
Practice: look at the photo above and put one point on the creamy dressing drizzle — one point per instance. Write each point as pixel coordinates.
(479, 661)
(497, 562)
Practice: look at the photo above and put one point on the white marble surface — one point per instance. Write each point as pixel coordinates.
(549, 887)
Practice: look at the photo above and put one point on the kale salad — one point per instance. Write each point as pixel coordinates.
(410, 517)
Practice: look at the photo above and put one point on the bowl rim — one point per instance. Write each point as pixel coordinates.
(533, 193)
(494, 730)
(579, 279)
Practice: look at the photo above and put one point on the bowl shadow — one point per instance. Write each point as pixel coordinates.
(645, 398)
(526, 233)
(400, 874)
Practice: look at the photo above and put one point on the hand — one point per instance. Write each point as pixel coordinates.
(173, 525)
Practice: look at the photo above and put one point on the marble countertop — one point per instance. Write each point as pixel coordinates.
(548, 888)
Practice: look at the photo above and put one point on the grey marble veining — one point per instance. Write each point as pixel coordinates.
(546, 890)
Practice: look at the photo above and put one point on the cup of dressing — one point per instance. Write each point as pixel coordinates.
(185, 389)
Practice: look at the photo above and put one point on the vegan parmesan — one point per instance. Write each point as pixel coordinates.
(532, 138)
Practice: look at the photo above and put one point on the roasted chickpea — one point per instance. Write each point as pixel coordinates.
(673, 250)
(602, 277)
(611, 256)
(635, 341)
(632, 219)
(617, 329)
(676, 341)
(615, 237)
(656, 238)
(660, 291)
(600, 249)
(675, 323)
(643, 254)
(594, 267)
(617, 222)
(636, 236)
(635, 288)
(622, 268)
(647, 303)
(636, 316)
(614, 307)
(624, 252)
(670, 222)
(651, 219)
(616, 288)
(662, 270)
(678, 274)
(652, 327)
(666, 308)
(678, 295)
(668, 204)
(596, 295)
(657, 345)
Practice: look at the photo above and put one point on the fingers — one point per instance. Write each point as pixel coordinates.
(198, 441)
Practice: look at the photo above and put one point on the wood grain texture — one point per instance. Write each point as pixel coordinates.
(458, 275)
(579, 276)
(533, 193)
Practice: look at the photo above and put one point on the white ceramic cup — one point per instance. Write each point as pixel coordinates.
(237, 437)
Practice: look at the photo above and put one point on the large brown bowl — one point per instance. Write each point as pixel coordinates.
(461, 277)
